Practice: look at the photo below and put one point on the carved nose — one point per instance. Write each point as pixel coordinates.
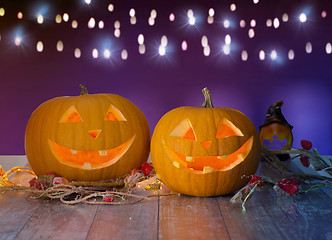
(94, 133)
(206, 144)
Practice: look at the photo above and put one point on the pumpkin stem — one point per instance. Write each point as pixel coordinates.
(84, 91)
(207, 102)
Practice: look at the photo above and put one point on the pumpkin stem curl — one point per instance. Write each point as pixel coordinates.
(207, 102)
(84, 91)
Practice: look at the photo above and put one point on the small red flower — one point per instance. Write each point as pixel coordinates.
(146, 169)
(33, 183)
(307, 145)
(290, 185)
(254, 179)
(107, 197)
(305, 161)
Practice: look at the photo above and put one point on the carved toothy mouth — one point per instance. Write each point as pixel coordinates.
(208, 164)
(89, 160)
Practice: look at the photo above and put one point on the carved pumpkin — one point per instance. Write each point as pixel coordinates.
(205, 151)
(88, 137)
(276, 132)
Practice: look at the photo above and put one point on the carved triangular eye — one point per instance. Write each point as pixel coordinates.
(226, 129)
(114, 114)
(71, 115)
(184, 130)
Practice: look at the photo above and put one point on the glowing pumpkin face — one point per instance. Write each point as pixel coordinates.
(88, 137)
(276, 132)
(205, 151)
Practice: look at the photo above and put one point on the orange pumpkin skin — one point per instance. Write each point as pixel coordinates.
(87, 138)
(206, 142)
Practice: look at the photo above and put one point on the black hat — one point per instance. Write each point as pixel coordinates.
(274, 115)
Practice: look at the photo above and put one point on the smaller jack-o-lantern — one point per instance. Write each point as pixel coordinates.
(205, 151)
(89, 137)
(276, 132)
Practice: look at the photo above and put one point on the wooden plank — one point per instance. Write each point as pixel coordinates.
(133, 221)
(55, 220)
(271, 216)
(15, 211)
(185, 217)
(263, 219)
(310, 212)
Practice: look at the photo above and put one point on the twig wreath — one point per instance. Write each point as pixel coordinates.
(120, 191)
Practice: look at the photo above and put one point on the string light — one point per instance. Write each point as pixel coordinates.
(20, 15)
(308, 47)
(274, 55)
(74, 24)
(192, 20)
(303, 17)
(59, 46)
(204, 41)
(101, 24)
(226, 23)
(141, 49)
(18, 40)
(207, 51)
(110, 7)
(162, 50)
(261, 55)
(184, 45)
(58, 18)
(40, 19)
(291, 54)
(91, 23)
(140, 39)
(276, 23)
(285, 17)
(233, 7)
(124, 54)
(244, 55)
(40, 46)
(77, 53)
(328, 48)
(95, 53)
(107, 53)
(226, 49)
(172, 17)
(65, 17)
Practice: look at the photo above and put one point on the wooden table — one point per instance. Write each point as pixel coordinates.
(268, 216)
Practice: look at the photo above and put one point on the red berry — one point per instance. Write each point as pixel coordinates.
(32, 182)
(254, 179)
(290, 185)
(38, 186)
(146, 169)
(305, 161)
(107, 197)
(306, 144)
(60, 180)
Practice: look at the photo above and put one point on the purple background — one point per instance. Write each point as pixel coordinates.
(157, 84)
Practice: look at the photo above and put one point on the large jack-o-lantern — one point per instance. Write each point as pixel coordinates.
(88, 137)
(205, 151)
